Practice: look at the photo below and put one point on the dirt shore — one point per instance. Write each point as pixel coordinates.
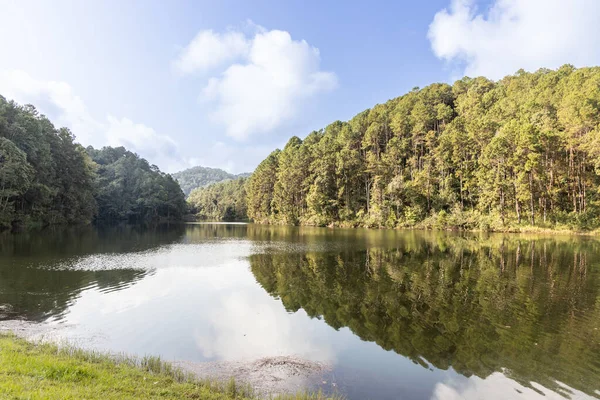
(31, 330)
(268, 376)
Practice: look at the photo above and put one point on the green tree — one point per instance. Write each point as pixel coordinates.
(497, 155)
(222, 201)
(261, 186)
(15, 178)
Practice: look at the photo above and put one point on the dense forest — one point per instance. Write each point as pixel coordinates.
(198, 177)
(476, 154)
(129, 188)
(223, 201)
(47, 178)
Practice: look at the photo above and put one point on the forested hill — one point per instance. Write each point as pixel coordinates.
(197, 177)
(221, 201)
(474, 154)
(47, 178)
(129, 188)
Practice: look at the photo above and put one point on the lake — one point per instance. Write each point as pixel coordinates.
(397, 314)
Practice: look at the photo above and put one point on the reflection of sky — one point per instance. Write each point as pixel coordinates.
(203, 303)
(496, 387)
(178, 255)
(243, 322)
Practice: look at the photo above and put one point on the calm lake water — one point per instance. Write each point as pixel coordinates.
(399, 314)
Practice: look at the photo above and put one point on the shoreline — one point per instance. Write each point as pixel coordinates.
(509, 230)
(527, 229)
(266, 377)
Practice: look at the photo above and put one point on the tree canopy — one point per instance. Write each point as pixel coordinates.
(223, 201)
(198, 177)
(129, 188)
(47, 178)
(475, 154)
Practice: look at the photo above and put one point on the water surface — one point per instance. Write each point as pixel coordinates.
(399, 314)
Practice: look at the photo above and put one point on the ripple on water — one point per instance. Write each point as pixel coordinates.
(178, 255)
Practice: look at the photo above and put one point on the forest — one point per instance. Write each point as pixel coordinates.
(46, 178)
(222, 201)
(198, 177)
(477, 154)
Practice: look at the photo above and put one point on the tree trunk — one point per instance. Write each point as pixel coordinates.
(462, 201)
(502, 205)
(517, 205)
(368, 193)
(532, 217)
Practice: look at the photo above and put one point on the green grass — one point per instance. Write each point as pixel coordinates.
(47, 371)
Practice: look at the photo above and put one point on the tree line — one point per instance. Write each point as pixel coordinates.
(524, 150)
(222, 201)
(47, 178)
(197, 177)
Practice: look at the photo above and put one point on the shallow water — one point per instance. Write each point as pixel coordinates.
(398, 314)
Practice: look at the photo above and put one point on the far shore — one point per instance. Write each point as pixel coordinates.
(525, 229)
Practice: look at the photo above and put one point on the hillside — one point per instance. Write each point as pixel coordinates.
(47, 178)
(477, 154)
(222, 201)
(197, 177)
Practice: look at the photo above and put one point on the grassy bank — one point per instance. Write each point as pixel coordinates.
(47, 371)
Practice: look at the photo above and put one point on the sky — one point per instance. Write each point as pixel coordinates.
(223, 83)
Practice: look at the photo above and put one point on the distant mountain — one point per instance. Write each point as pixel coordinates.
(196, 177)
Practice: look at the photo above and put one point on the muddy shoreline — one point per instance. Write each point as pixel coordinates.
(267, 376)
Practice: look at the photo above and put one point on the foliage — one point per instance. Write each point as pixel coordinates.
(222, 201)
(477, 154)
(46, 178)
(47, 371)
(198, 177)
(131, 189)
(260, 189)
(15, 178)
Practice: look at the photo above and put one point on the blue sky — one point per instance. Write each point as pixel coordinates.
(223, 83)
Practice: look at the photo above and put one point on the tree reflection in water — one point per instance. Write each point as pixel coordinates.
(529, 308)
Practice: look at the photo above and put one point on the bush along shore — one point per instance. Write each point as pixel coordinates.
(30, 370)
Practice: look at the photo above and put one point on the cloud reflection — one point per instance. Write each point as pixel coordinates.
(496, 387)
(215, 308)
(246, 323)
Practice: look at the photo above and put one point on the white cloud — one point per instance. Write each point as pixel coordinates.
(266, 90)
(58, 101)
(514, 34)
(159, 149)
(233, 158)
(209, 50)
